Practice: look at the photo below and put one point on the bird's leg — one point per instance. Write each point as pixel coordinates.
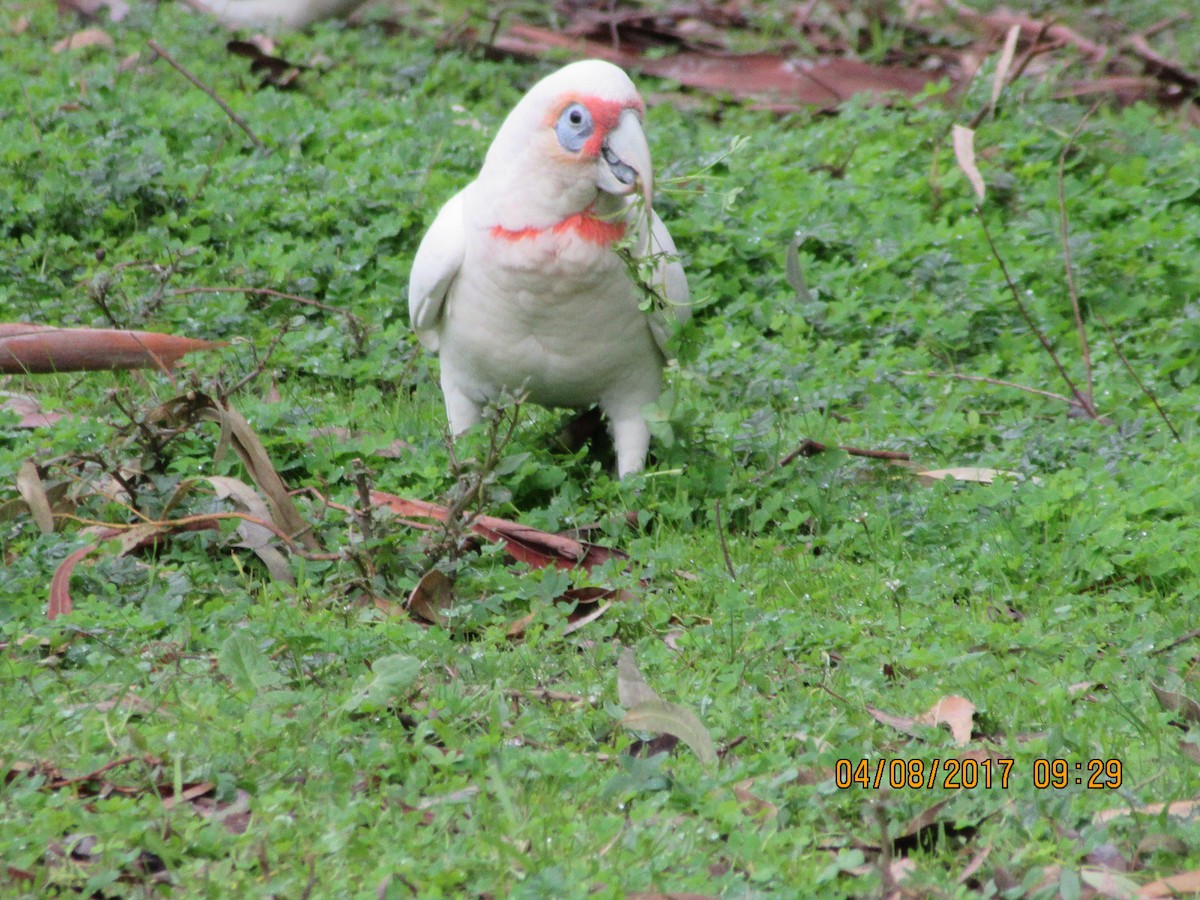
(631, 438)
(461, 410)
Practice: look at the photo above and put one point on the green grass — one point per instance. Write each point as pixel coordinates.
(377, 754)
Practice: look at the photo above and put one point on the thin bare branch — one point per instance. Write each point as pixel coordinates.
(1084, 401)
(266, 292)
(996, 381)
(1132, 374)
(1064, 227)
(724, 547)
(809, 447)
(237, 120)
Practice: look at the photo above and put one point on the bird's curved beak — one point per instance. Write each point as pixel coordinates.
(625, 159)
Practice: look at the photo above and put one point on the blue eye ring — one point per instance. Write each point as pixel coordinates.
(574, 127)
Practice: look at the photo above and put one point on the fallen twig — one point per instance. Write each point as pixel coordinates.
(1064, 227)
(1134, 375)
(724, 547)
(237, 120)
(1083, 401)
(809, 447)
(999, 382)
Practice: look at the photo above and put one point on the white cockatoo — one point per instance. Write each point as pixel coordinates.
(518, 284)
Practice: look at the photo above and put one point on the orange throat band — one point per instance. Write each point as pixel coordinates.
(585, 225)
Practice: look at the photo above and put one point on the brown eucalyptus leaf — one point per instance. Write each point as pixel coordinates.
(27, 349)
(29, 408)
(1180, 808)
(957, 713)
(754, 807)
(663, 717)
(432, 596)
(88, 37)
(33, 492)
(632, 688)
(964, 153)
(60, 583)
(1171, 701)
(1181, 885)
(255, 537)
(236, 431)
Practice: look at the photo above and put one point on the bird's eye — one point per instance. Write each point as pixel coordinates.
(574, 127)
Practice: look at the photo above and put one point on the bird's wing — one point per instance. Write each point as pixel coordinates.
(670, 282)
(434, 268)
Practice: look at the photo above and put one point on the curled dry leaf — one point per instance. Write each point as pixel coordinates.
(632, 688)
(1183, 809)
(648, 712)
(236, 432)
(29, 408)
(525, 544)
(977, 474)
(433, 595)
(33, 492)
(1171, 701)
(1004, 63)
(40, 349)
(255, 537)
(955, 712)
(964, 152)
(60, 584)
(89, 37)
(1182, 885)
(780, 82)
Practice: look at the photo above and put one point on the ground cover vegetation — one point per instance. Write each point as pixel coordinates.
(376, 701)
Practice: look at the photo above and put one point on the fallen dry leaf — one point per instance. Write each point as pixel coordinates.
(1181, 885)
(41, 349)
(273, 70)
(1171, 701)
(1180, 808)
(60, 583)
(1004, 64)
(754, 807)
(977, 474)
(525, 544)
(780, 82)
(432, 596)
(646, 711)
(955, 712)
(33, 492)
(89, 37)
(257, 538)
(237, 433)
(29, 408)
(964, 153)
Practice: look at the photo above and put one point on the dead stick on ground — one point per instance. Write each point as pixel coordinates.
(1064, 228)
(809, 447)
(1083, 400)
(724, 547)
(237, 120)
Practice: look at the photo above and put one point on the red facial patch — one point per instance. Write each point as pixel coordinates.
(586, 225)
(605, 116)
